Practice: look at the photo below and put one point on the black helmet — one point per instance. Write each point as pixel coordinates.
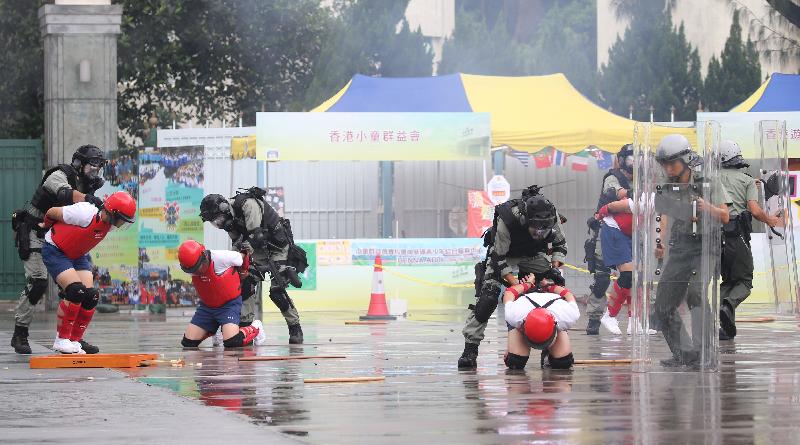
(88, 154)
(213, 205)
(625, 158)
(538, 213)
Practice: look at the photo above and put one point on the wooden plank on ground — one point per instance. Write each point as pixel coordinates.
(90, 361)
(755, 319)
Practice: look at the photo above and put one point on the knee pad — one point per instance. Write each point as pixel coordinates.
(602, 280)
(237, 341)
(35, 289)
(186, 343)
(280, 298)
(487, 301)
(625, 280)
(75, 293)
(564, 362)
(91, 299)
(514, 361)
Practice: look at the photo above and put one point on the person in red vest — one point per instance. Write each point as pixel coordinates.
(538, 317)
(74, 230)
(215, 276)
(616, 234)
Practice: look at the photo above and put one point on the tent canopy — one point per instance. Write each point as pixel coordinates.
(781, 92)
(528, 113)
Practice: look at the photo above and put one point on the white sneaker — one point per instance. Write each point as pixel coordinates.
(610, 323)
(64, 346)
(77, 344)
(216, 340)
(639, 329)
(261, 338)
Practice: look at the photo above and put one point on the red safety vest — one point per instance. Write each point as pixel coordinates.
(216, 290)
(625, 223)
(76, 241)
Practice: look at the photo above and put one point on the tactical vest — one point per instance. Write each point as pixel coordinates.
(76, 241)
(216, 290)
(43, 199)
(623, 182)
(269, 218)
(522, 244)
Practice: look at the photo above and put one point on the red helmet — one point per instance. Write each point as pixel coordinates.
(121, 207)
(539, 328)
(190, 255)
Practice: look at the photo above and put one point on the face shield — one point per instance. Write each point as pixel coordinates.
(198, 265)
(120, 221)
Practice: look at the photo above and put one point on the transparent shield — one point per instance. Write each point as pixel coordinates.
(676, 252)
(779, 253)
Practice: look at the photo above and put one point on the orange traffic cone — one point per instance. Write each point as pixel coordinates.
(377, 301)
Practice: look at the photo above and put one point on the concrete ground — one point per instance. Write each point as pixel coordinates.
(424, 398)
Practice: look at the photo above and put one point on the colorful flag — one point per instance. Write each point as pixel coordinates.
(604, 159)
(559, 158)
(580, 162)
(542, 158)
(522, 156)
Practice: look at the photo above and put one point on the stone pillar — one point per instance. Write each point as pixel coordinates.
(80, 75)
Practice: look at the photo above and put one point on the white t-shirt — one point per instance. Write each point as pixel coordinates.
(78, 214)
(224, 259)
(566, 313)
(611, 222)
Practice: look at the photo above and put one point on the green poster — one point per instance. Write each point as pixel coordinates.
(309, 277)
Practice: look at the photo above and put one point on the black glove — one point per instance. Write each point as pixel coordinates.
(94, 200)
(292, 277)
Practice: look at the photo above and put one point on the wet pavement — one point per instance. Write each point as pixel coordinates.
(424, 398)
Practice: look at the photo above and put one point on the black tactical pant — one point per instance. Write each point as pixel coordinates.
(737, 271)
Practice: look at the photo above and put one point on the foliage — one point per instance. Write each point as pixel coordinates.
(731, 80)
(652, 65)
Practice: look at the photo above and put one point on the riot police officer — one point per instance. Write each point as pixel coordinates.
(526, 233)
(61, 185)
(737, 258)
(679, 280)
(616, 185)
(256, 228)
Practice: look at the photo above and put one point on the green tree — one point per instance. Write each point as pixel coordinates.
(732, 80)
(652, 65)
(369, 37)
(565, 41)
(478, 47)
(525, 38)
(210, 59)
(22, 82)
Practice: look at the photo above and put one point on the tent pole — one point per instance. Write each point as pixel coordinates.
(387, 193)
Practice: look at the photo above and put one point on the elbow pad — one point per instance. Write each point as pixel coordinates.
(64, 196)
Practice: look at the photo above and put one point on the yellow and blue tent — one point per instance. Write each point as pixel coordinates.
(781, 92)
(527, 113)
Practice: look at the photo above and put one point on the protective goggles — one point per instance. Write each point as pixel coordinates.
(96, 162)
(120, 221)
(200, 261)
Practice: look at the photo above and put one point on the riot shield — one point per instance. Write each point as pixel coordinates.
(676, 253)
(778, 251)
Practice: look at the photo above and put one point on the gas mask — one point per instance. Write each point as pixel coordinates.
(222, 221)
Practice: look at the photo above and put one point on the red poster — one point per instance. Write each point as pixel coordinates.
(479, 213)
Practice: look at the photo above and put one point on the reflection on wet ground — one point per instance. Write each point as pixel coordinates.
(425, 399)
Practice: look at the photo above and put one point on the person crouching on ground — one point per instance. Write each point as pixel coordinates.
(538, 318)
(215, 276)
(74, 230)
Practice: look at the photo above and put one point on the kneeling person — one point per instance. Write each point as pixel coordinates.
(74, 230)
(215, 276)
(539, 319)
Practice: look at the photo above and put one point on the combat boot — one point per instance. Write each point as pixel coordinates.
(20, 340)
(593, 327)
(469, 358)
(295, 334)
